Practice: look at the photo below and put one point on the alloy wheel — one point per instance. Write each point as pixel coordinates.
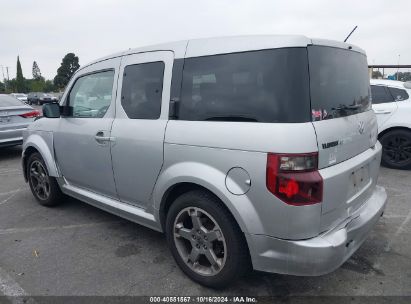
(39, 180)
(397, 149)
(200, 241)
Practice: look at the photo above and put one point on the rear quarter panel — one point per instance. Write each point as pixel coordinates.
(203, 152)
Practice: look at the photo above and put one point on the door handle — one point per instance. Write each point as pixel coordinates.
(101, 138)
(382, 111)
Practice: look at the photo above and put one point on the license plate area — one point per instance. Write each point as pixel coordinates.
(358, 180)
(4, 117)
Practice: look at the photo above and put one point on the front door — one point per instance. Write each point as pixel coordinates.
(141, 119)
(83, 140)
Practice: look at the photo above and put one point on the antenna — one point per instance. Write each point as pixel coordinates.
(350, 33)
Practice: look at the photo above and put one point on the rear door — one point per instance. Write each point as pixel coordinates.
(345, 126)
(141, 119)
(340, 100)
(383, 103)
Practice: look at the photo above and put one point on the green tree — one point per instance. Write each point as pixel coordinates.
(49, 86)
(376, 75)
(20, 85)
(37, 85)
(36, 71)
(2, 88)
(11, 85)
(403, 76)
(68, 67)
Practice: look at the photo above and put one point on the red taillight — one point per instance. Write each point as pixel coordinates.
(31, 114)
(294, 178)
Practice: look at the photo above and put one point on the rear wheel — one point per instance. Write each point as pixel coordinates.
(396, 152)
(205, 240)
(44, 187)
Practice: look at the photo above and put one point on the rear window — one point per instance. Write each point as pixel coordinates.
(8, 101)
(380, 94)
(258, 86)
(339, 82)
(398, 94)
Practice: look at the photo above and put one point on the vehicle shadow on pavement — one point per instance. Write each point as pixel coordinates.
(7, 153)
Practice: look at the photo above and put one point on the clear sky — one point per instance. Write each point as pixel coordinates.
(45, 30)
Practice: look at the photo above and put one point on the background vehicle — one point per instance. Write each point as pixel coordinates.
(20, 96)
(39, 98)
(392, 105)
(15, 116)
(216, 143)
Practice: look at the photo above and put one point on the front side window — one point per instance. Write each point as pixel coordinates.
(91, 95)
(398, 94)
(257, 86)
(142, 90)
(380, 94)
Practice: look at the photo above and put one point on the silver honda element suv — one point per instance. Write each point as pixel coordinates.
(257, 151)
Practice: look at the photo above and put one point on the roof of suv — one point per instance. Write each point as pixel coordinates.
(389, 83)
(221, 45)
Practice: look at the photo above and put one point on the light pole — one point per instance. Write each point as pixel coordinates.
(399, 56)
(4, 78)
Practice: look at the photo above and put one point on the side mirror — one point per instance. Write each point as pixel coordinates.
(51, 110)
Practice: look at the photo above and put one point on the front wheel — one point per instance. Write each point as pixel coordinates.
(205, 240)
(44, 187)
(396, 151)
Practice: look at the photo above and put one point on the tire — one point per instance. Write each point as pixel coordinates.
(231, 255)
(396, 152)
(50, 194)
(29, 102)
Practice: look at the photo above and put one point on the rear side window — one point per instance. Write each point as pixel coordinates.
(339, 82)
(380, 94)
(398, 94)
(142, 90)
(259, 86)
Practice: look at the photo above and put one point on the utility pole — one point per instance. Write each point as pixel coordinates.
(4, 77)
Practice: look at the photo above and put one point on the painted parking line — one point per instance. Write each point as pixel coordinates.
(9, 192)
(34, 229)
(13, 193)
(4, 172)
(398, 232)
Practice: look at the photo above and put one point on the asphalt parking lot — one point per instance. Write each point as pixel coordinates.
(76, 249)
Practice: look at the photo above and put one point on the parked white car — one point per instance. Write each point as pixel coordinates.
(392, 104)
(20, 96)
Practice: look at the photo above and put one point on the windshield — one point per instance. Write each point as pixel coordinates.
(339, 82)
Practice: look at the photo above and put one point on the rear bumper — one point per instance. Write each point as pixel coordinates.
(322, 254)
(11, 137)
